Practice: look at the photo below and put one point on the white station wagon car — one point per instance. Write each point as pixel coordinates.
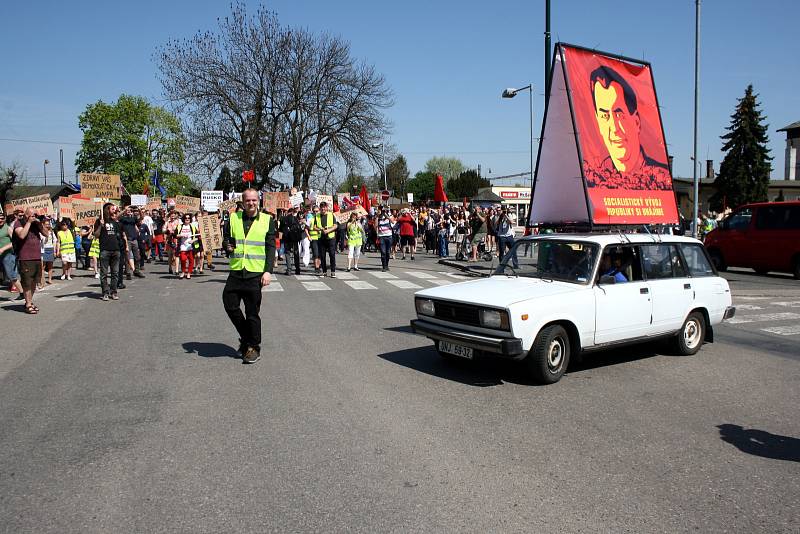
(557, 296)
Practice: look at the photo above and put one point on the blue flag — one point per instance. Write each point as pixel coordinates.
(158, 186)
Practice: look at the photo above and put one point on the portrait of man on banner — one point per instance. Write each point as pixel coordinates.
(621, 136)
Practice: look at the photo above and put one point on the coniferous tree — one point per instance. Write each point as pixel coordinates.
(744, 174)
(224, 180)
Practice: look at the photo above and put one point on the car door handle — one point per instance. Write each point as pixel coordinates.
(644, 291)
(687, 286)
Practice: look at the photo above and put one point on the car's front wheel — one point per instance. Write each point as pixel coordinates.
(549, 356)
(691, 335)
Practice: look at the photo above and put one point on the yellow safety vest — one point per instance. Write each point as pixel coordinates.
(250, 253)
(66, 241)
(319, 223)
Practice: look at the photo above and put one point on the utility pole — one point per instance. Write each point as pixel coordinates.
(695, 211)
(61, 158)
(547, 53)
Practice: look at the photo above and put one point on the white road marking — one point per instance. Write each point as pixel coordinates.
(404, 284)
(748, 307)
(273, 286)
(305, 277)
(420, 274)
(344, 275)
(758, 317)
(70, 298)
(382, 275)
(456, 275)
(788, 304)
(749, 298)
(315, 286)
(789, 330)
(359, 284)
(440, 282)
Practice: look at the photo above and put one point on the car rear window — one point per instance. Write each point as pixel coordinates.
(697, 260)
(778, 218)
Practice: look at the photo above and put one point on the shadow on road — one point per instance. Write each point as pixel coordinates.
(210, 350)
(761, 443)
(214, 280)
(618, 356)
(85, 294)
(404, 329)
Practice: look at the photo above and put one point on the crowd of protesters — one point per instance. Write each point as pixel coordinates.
(124, 240)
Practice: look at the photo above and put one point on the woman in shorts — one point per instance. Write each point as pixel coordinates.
(65, 248)
(355, 238)
(48, 257)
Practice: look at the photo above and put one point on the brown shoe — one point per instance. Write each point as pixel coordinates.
(252, 355)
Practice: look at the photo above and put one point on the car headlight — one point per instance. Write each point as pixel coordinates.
(425, 307)
(494, 319)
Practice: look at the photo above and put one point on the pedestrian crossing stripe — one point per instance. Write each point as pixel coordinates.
(419, 274)
(382, 275)
(748, 307)
(440, 282)
(315, 286)
(273, 286)
(758, 317)
(305, 277)
(344, 275)
(788, 304)
(360, 284)
(787, 330)
(404, 284)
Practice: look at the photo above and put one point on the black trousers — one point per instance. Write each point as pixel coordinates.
(329, 246)
(291, 254)
(247, 324)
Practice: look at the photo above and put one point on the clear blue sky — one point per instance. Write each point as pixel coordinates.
(447, 62)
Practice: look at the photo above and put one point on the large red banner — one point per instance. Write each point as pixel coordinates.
(621, 139)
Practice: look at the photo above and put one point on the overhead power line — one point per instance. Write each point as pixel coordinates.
(38, 141)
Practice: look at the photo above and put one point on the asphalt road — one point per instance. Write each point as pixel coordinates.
(135, 416)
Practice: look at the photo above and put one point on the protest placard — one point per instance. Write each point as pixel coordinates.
(86, 211)
(296, 200)
(325, 198)
(210, 232)
(210, 200)
(138, 200)
(410, 197)
(344, 216)
(95, 185)
(186, 204)
(40, 203)
(226, 205)
(153, 203)
(65, 210)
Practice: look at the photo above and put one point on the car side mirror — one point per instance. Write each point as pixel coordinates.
(607, 279)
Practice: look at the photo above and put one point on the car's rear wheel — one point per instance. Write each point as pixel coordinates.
(549, 357)
(718, 260)
(691, 335)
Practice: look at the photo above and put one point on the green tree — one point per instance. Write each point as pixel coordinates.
(466, 185)
(10, 175)
(744, 173)
(397, 174)
(422, 186)
(353, 182)
(449, 168)
(132, 138)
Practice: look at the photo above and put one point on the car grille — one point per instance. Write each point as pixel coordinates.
(458, 313)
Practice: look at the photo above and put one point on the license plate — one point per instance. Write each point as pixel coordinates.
(455, 350)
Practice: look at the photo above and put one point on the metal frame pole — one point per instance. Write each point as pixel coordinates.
(530, 94)
(695, 212)
(383, 157)
(547, 53)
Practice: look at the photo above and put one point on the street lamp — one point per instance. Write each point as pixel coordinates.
(383, 157)
(45, 170)
(511, 93)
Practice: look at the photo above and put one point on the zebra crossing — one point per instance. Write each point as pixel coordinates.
(768, 314)
(364, 280)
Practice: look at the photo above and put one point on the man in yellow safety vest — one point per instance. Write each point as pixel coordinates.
(249, 237)
(325, 225)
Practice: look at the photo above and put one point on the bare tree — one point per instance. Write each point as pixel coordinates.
(260, 95)
(224, 87)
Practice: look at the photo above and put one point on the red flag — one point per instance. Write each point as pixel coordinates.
(364, 198)
(146, 188)
(465, 203)
(438, 192)
(248, 176)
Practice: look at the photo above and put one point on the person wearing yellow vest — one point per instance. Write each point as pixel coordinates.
(324, 226)
(65, 247)
(249, 238)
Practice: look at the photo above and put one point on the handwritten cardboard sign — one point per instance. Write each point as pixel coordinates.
(227, 205)
(210, 232)
(186, 204)
(138, 200)
(344, 216)
(86, 211)
(96, 185)
(65, 210)
(273, 202)
(296, 199)
(153, 203)
(325, 198)
(40, 203)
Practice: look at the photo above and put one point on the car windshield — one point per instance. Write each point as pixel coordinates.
(552, 259)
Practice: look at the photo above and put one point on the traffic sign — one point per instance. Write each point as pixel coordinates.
(384, 195)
